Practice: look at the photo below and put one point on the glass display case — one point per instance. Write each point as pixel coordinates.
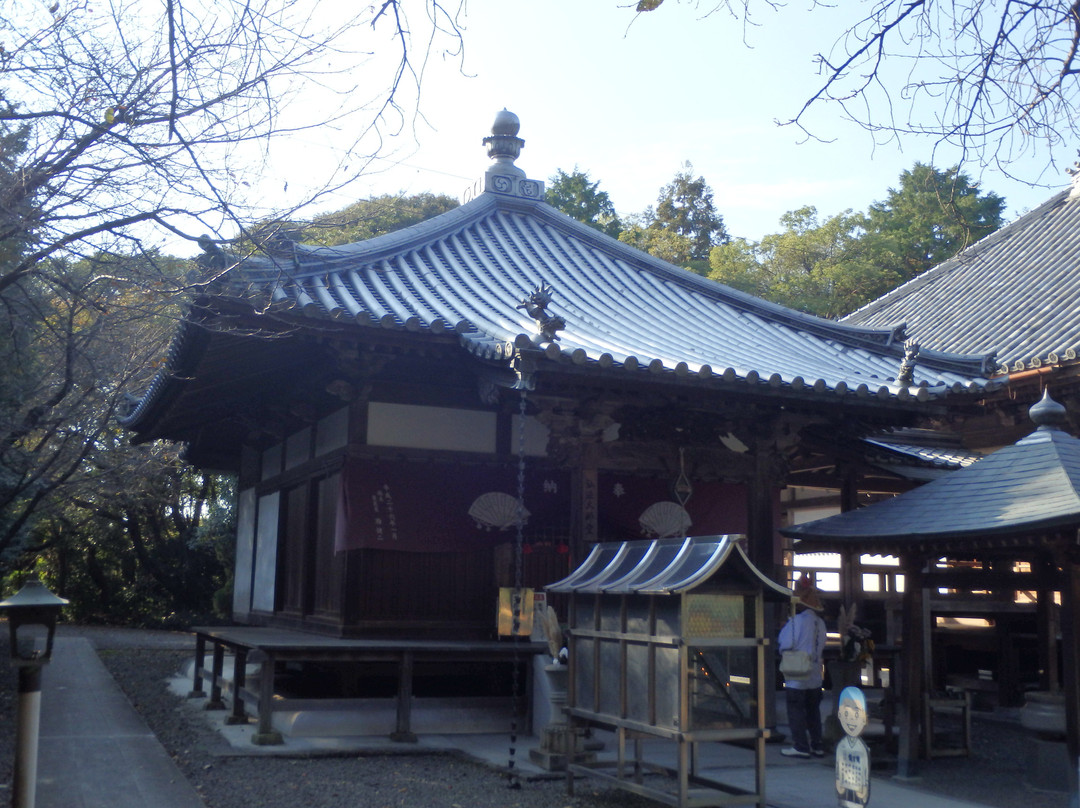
(667, 642)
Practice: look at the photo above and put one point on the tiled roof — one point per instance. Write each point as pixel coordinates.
(926, 446)
(1031, 486)
(468, 271)
(620, 312)
(1015, 293)
(664, 567)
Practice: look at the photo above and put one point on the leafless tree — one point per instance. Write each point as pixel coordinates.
(143, 114)
(997, 79)
(122, 122)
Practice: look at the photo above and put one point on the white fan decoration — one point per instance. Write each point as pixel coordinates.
(662, 520)
(496, 511)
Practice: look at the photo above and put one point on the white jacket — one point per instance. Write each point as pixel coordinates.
(805, 632)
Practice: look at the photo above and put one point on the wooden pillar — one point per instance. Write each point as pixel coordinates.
(764, 547)
(913, 669)
(850, 572)
(1046, 583)
(1070, 645)
(583, 501)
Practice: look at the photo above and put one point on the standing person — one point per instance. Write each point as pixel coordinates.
(805, 632)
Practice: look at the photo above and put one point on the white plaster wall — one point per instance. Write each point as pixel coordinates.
(271, 461)
(536, 436)
(439, 428)
(298, 448)
(332, 432)
(245, 553)
(266, 530)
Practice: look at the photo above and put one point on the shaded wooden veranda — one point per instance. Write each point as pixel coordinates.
(1010, 521)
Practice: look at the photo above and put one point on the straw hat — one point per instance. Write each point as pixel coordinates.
(807, 595)
(809, 598)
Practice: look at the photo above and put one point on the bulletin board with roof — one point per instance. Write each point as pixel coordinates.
(667, 643)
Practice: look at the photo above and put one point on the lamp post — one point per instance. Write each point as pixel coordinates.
(31, 612)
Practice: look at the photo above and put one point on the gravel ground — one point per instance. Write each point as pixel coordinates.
(142, 661)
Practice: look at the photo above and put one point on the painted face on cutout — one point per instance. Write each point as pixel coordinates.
(852, 711)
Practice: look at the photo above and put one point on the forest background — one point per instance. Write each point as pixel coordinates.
(123, 121)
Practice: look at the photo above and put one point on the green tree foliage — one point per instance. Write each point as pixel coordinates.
(684, 226)
(149, 543)
(833, 267)
(576, 195)
(685, 206)
(931, 217)
(120, 530)
(17, 213)
(359, 221)
(821, 267)
(374, 217)
(667, 245)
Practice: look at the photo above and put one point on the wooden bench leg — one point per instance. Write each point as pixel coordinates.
(404, 733)
(238, 715)
(266, 734)
(197, 691)
(215, 702)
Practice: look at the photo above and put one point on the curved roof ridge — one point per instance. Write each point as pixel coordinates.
(316, 261)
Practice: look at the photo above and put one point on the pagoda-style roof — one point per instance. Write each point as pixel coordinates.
(1014, 293)
(1023, 490)
(524, 290)
(664, 567)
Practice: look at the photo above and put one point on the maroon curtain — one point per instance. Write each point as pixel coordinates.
(713, 507)
(441, 507)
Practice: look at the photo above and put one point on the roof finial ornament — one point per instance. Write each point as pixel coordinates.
(502, 176)
(503, 145)
(907, 365)
(1048, 413)
(535, 305)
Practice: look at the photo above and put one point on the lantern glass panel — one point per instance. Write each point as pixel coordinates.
(610, 675)
(723, 688)
(637, 615)
(667, 617)
(667, 689)
(584, 672)
(638, 682)
(610, 615)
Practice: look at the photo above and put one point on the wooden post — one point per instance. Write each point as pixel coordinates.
(266, 735)
(912, 693)
(764, 546)
(403, 733)
(1070, 645)
(238, 716)
(584, 493)
(850, 575)
(1047, 619)
(217, 669)
(200, 661)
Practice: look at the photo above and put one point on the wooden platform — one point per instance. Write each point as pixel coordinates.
(271, 646)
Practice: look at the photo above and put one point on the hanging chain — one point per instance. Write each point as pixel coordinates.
(517, 596)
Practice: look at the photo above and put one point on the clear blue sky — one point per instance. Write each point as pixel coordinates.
(629, 100)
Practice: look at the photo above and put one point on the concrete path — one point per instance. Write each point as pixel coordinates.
(95, 749)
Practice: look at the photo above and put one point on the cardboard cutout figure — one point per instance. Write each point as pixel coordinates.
(852, 756)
